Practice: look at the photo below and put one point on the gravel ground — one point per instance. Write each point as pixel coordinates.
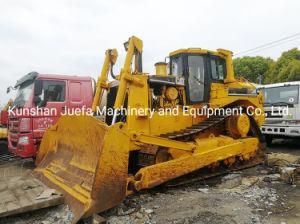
(259, 196)
(254, 201)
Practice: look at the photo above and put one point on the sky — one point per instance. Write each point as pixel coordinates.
(71, 36)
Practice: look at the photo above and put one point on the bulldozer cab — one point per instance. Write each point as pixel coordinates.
(199, 69)
(195, 69)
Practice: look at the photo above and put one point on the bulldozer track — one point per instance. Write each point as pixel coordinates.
(210, 122)
(148, 156)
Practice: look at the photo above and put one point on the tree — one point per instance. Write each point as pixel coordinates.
(286, 68)
(252, 67)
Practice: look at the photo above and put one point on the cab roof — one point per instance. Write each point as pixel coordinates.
(35, 75)
(280, 84)
(198, 51)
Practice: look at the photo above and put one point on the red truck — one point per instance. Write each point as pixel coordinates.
(40, 100)
(3, 128)
(3, 118)
(3, 132)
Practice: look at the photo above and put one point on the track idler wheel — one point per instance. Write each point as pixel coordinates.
(238, 126)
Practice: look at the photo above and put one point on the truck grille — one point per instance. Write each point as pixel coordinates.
(274, 122)
(13, 131)
(269, 114)
(14, 125)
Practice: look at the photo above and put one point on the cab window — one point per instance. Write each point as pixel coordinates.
(196, 78)
(52, 91)
(218, 68)
(177, 66)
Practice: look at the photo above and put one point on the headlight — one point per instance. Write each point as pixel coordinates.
(25, 125)
(23, 140)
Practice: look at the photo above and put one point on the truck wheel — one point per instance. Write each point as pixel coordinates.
(3, 148)
(268, 140)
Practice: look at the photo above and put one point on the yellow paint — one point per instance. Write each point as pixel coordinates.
(89, 160)
(135, 45)
(3, 133)
(161, 68)
(111, 56)
(171, 93)
(151, 176)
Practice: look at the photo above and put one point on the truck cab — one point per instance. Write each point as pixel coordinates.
(40, 100)
(282, 110)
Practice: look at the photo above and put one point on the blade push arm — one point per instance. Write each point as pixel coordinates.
(111, 56)
(134, 49)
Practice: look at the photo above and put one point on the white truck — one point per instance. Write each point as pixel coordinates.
(282, 110)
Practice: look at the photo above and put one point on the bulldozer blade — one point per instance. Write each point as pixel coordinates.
(87, 161)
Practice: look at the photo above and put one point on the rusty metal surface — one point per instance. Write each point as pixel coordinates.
(86, 160)
(207, 173)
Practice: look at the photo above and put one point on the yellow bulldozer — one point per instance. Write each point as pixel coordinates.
(156, 128)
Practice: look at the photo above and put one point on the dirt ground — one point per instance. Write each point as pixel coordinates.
(255, 195)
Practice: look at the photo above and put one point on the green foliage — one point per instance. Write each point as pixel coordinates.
(286, 68)
(252, 67)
